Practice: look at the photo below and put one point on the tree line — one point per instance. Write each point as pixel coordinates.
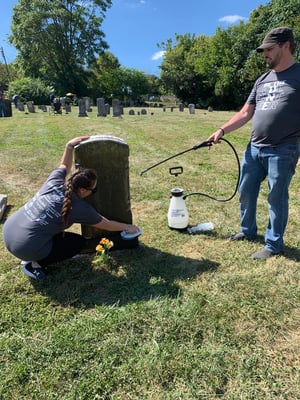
(60, 45)
(220, 70)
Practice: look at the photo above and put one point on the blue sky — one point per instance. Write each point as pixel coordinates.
(133, 28)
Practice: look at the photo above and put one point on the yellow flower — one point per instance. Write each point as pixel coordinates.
(99, 247)
(101, 251)
(106, 243)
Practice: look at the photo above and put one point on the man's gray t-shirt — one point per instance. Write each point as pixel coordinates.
(276, 119)
(28, 232)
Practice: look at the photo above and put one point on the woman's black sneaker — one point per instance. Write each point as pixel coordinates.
(34, 270)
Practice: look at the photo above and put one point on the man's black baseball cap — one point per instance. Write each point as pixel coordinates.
(276, 36)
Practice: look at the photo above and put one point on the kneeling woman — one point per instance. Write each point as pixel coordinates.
(36, 232)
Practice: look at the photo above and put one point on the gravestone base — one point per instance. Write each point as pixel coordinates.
(115, 237)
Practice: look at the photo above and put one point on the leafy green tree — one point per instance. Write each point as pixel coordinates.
(57, 39)
(109, 79)
(220, 70)
(135, 84)
(4, 77)
(178, 74)
(9, 73)
(104, 79)
(30, 89)
(154, 85)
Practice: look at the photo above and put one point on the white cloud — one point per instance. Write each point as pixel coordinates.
(232, 19)
(158, 55)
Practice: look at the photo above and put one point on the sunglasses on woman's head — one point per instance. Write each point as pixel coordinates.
(93, 190)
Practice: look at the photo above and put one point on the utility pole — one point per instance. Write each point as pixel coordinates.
(7, 70)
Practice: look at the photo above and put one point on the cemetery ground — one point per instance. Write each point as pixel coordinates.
(179, 317)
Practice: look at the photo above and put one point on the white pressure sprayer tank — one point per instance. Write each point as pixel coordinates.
(178, 216)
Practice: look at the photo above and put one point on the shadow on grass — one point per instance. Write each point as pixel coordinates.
(292, 253)
(141, 274)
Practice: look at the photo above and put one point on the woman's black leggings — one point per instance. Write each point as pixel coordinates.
(65, 245)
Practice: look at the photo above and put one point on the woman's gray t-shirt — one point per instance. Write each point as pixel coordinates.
(28, 232)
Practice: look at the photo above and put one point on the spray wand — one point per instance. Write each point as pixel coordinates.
(207, 143)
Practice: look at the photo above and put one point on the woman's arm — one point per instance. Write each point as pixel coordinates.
(110, 225)
(67, 157)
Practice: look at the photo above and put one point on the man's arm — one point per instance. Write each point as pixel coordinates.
(238, 120)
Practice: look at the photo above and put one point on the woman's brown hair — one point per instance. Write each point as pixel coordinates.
(81, 178)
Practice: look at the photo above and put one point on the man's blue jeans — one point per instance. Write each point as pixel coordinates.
(278, 164)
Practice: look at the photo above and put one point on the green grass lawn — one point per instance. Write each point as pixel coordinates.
(181, 317)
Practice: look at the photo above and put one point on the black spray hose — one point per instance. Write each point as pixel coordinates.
(203, 144)
(237, 181)
(207, 143)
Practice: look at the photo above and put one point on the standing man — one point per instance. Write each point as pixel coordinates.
(273, 151)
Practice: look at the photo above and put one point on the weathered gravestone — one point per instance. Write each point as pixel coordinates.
(88, 104)
(82, 110)
(116, 108)
(8, 108)
(68, 108)
(30, 107)
(108, 156)
(101, 107)
(192, 108)
(43, 108)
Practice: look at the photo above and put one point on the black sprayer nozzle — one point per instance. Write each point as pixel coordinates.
(207, 143)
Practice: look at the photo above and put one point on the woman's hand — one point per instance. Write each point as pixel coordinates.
(132, 229)
(67, 158)
(74, 142)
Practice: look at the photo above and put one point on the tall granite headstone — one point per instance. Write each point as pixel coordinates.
(101, 107)
(82, 110)
(116, 108)
(108, 156)
(192, 108)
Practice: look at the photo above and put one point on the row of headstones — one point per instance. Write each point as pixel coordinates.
(103, 108)
(31, 107)
(84, 106)
(191, 108)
